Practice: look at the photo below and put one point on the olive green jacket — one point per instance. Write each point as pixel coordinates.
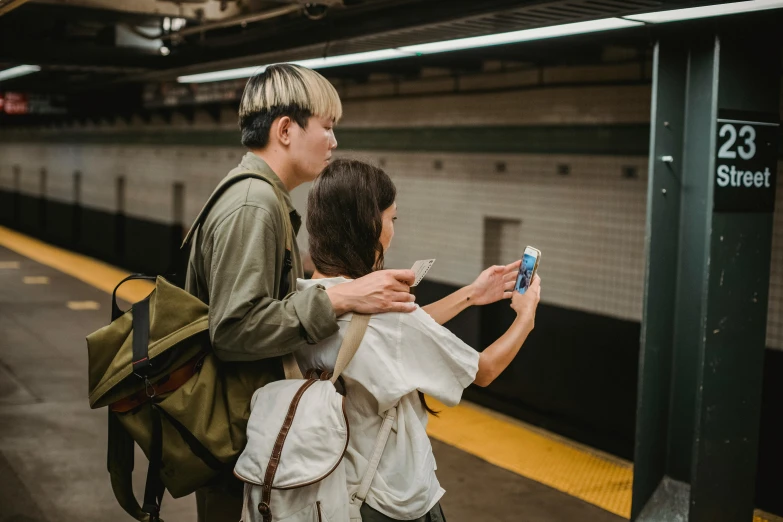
(236, 265)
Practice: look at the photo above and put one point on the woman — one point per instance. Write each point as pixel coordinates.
(351, 214)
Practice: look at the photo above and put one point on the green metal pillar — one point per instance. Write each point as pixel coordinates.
(712, 173)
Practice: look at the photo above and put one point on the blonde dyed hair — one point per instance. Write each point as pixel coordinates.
(287, 85)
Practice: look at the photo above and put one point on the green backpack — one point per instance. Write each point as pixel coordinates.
(154, 369)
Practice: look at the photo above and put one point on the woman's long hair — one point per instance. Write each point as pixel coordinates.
(345, 219)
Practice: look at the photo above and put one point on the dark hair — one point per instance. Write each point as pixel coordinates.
(255, 126)
(284, 89)
(345, 219)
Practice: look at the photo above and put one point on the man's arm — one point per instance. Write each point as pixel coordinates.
(493, 284)
(247, 322)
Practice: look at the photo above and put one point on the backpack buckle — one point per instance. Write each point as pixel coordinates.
(265, 510)
(149, 389)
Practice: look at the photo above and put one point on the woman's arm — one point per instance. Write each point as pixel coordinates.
(497, 356)
(447, 308)
(493, 284)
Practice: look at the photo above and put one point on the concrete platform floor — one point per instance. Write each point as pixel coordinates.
(53, 447)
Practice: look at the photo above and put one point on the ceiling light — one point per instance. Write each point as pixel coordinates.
(178, 23)
(706, 11)
(19, 70)
(349, 59)
(229, 74)
(436, 47)
(313, 63)
(524, 35)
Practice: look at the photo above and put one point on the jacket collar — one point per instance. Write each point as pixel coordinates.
(252, 162)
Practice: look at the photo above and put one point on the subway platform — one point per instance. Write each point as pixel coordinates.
(53, 447)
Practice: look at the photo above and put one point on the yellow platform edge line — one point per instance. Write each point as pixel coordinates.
(605, 482)
(95, 273)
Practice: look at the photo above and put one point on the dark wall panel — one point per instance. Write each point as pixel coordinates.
(769, 480)
(31, 215)
(99, 235)
(60, 223)
(149, 246)
(6, 208)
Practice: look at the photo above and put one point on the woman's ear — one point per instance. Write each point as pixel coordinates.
(281, 129)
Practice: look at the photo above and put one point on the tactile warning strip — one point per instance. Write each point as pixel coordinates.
(602, 481)
(597, 478)
(95, 273)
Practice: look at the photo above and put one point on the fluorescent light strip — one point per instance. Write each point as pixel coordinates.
(706, 11)
(349, 59)
(525, 35)
(19, 70)
(312, 63)
(436, 47)
(229, 74)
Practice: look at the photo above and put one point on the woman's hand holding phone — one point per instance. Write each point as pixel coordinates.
(525, 305)
(493, 284)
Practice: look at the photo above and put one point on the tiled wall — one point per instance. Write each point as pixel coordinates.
(589, 223)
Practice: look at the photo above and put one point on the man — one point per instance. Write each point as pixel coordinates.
(287, 117)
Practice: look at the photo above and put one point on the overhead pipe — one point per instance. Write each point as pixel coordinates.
(250, 18)
(13, 4)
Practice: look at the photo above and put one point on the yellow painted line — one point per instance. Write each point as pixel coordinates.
(95, 273)
(35, 280)
(83, 305)
(761, 516)
(9, 265)
(601, 480)
(588, 474)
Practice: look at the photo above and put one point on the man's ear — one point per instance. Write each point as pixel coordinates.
(281, 130)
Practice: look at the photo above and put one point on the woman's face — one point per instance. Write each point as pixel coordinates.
(389, 216)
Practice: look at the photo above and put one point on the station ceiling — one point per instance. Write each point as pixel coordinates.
(88, 45)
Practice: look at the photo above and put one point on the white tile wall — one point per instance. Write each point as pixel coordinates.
(150, 173)
(589, 224)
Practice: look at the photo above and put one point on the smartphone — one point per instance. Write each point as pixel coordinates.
(527, 269)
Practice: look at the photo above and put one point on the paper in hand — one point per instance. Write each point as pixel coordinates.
(420, 268)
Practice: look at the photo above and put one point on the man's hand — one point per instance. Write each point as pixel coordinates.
(494, 283)
(375, 293)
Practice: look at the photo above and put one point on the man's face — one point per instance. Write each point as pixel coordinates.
(311, 147)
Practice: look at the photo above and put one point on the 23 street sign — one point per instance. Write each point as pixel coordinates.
(746, 162)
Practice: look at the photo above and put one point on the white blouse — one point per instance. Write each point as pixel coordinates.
(399, 355)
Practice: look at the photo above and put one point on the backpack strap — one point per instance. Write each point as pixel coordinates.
(120, 466)
(181, 258)
(120, 452)
(351, 341)
(222, 187)
(357, 499)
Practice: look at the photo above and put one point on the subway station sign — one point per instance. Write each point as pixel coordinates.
(746, 161)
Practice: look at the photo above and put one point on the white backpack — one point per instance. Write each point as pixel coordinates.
(297, 436)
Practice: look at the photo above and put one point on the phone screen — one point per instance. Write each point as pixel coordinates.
(526, 271)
